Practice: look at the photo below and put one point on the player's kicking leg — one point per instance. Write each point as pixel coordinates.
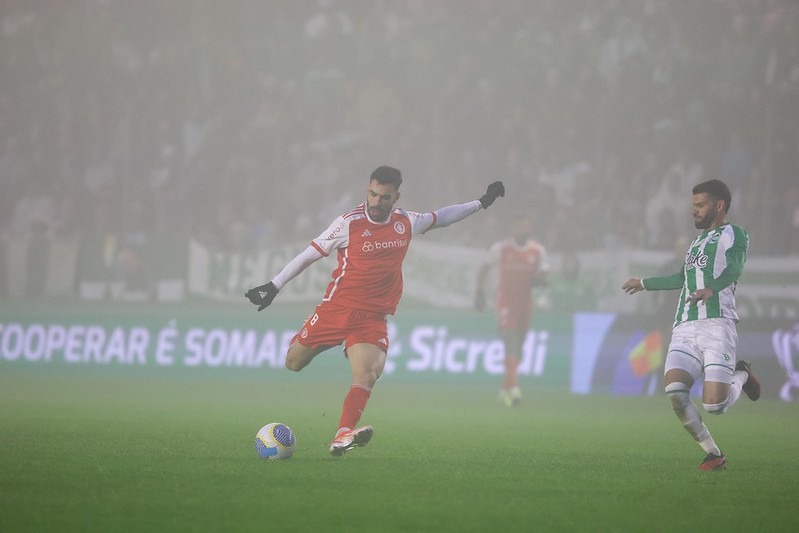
(367, 362)
(347, 440)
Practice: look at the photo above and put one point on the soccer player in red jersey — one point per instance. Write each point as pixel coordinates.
(521, 264)
(370, 242)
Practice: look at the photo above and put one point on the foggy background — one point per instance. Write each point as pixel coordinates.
(247, 124)
(158, 158)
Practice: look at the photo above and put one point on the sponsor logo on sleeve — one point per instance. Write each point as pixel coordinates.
(337, 230)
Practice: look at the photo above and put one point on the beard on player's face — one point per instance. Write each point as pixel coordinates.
(704, 222)
(379, 213)
(380, 200)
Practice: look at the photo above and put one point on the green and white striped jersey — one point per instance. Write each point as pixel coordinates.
(715, 259)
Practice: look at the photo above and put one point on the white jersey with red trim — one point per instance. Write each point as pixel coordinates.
(370, 256)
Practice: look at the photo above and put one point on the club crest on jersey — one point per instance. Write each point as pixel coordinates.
(715, 237)
(399, 227)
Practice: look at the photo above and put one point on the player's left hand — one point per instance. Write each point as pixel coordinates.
(492, 192)
(699, 296)
(263, 295)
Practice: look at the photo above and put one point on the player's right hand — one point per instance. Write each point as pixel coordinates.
(632, 285)
(263, 295)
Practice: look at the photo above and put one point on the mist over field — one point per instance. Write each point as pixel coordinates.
(158, 159)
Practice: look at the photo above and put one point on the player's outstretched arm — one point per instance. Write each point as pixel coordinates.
(445, 216)
(632, 285)
(263, 295)
(657, 283)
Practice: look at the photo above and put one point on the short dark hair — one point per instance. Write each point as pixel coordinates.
(385, 175)
(717, 189)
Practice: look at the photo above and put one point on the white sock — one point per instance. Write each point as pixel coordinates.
(686, 411)
(739, 379)
(736, 386)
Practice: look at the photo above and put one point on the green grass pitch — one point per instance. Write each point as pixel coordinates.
(145, 453)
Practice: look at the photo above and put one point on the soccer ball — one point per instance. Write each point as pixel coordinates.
(275, 441)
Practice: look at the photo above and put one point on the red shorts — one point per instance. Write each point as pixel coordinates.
(332, 324)
(514, 317)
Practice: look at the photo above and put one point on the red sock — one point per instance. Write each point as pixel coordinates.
(354, 404)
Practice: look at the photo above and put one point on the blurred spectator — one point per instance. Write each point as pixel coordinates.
(663, 210)
(34, 212)
(573, 104)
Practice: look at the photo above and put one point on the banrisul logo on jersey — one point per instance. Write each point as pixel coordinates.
(371, 246)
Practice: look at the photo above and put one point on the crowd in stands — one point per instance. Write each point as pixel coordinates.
(246, 123)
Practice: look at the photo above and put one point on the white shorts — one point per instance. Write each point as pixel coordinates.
(704, 346)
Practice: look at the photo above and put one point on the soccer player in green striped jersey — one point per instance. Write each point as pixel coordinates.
(704, 337)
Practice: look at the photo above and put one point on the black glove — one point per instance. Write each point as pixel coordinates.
(494, 190)
(263, 295)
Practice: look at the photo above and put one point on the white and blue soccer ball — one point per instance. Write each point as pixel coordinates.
(275, 441)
